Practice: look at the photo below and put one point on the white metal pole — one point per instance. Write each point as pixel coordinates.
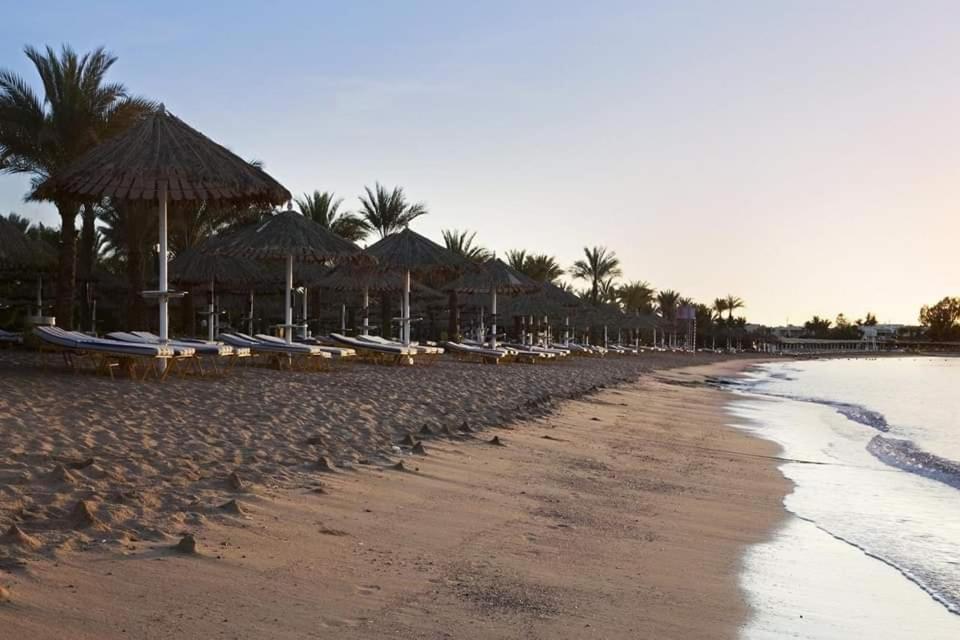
(164, 321)
(210, 312)
(493, 318)
(366, 311)
(566, 331)
(39, 295)
(303, 330)
(250, 319)
(406, 305)
(343, 318)
(288, 303)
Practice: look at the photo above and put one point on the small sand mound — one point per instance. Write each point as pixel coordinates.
(465, 427)
(15, 536)
(187, 544)
(447, 431)
(408, 440)
(316, 440)
(232, 506)
(76, 463)
(82, 517)
(398, 467)
(61, 475)
(235, 482)
(426, 431)
(4, 594)
(324, 464)
(495, 440)
(419, 449)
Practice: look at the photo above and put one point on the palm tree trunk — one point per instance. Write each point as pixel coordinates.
(68, 264)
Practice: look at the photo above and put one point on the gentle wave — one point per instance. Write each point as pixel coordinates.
(905, 455)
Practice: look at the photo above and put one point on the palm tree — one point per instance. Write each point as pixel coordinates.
(461, 243)
(388, 212)
(598, 266)
(542, 268)
(636, 296)
(668, 303)
(733, 303)
(324, 209)
(517, 258)
(18, 221)
(40, 137)
(719, 307)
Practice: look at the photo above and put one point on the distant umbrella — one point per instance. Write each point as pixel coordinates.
(160, 159)
(289, 236)
(197, 266)
(409, 252)
(493, 276)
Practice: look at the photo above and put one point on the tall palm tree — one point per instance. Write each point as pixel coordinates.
(41, 136)
(388, 211)
(324, 209)
(636, 296)
(733, 303)
(517, 258)
(18, 221)
(668, 303)
(599, 265)
(461, 243)
(719, 307)
(542, 268)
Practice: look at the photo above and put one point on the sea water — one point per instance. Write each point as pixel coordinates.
(872, 546)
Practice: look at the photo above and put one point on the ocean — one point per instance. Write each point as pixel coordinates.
(872, 546)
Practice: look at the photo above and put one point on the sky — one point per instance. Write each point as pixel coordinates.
(804, 156)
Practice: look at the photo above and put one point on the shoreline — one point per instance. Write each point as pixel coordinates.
(567, 531)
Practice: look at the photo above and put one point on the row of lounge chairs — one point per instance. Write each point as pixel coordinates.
(141, 353)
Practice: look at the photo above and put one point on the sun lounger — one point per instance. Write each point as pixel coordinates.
(422, 349)
(108, 354)
(8, 338)
(281, 354)
(389, 353)
(335, 352)
(212, 352)
(481, 354)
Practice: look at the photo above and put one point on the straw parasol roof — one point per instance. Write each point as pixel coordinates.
(195, 266)
(493, 275)
(162, 149)
(288, 234)
(348, 277)
(407, 250)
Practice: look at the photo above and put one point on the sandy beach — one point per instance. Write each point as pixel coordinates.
(622, 513)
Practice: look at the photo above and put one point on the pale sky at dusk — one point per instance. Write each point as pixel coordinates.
(804, 156)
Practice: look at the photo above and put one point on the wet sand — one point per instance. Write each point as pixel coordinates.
(621, 514)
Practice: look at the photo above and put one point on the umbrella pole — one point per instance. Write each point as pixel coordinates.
(493, 318)
(210, 314)
(343, 319)
(303, 329)
(566, 331)
(39, 294)
(250, 319)
(366, 311)
(406, 309)
(163, 285)
(288, 303)
(605, 343)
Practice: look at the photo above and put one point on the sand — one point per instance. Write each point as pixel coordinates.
(293, 505)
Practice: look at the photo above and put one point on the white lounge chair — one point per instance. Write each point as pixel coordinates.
(422, 349)
(390, 353)
(9, 338)
(282, 354)
(108, 354)
(481, 354)
(335, 352)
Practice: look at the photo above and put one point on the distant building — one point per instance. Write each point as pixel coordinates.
(881, 331)
(788, 331)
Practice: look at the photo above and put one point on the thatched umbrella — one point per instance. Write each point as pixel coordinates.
(407, 251)
(289, 236)
(203, 266)
(367, 278)
(159, 159)
(493, 276)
